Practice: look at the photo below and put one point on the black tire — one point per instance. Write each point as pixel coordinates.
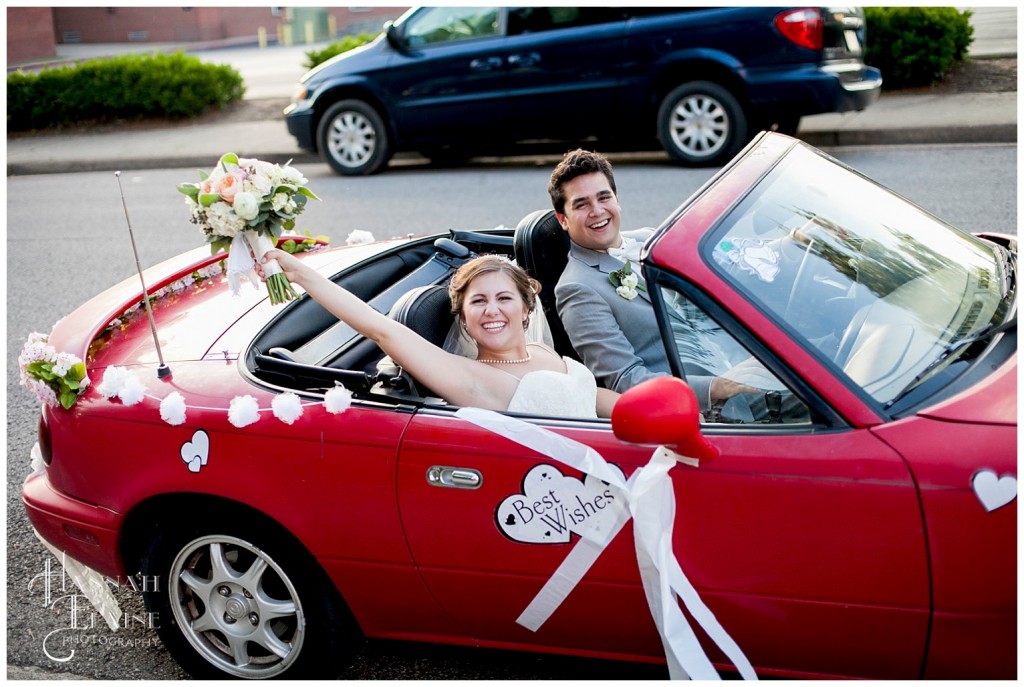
(352, 138)
(701, 123)
(266, 610)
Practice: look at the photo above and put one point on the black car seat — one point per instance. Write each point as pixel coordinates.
(542, 249)
(427, 311)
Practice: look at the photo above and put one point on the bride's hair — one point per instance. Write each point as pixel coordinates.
(485, 264)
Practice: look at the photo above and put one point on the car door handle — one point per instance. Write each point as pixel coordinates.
(457, 478)
(527, 59)
(485, 64)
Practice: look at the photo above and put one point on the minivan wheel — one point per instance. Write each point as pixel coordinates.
(352, 138)
(236, 603)
(701, 123)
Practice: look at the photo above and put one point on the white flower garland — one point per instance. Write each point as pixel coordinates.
(243, 411)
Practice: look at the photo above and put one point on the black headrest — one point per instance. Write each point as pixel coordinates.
(427, 311)
(542, 247)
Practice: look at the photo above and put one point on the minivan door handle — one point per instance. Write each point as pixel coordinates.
(485, 64)
(526, 59)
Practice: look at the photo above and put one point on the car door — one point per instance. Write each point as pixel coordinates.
(804, 538)
(563, 70)
(449, 83)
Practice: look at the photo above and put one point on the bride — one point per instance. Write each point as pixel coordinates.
(493, 300)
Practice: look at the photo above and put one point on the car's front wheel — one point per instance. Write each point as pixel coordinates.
(235, 602)
(701, 123)
(352, 138)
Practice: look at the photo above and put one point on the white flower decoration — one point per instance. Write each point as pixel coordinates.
(243, 411)
(172, 409)
(287, 407)
(337, 400)
(359, 237)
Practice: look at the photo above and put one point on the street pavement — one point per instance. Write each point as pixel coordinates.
(271, 73)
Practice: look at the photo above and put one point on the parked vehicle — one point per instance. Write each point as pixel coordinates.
(453, 81)
(862, 524)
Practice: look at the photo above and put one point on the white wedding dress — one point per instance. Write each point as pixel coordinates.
(572, 393)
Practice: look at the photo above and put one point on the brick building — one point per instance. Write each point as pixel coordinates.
(34, 32)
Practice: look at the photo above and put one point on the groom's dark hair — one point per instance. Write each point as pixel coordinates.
(574, 164)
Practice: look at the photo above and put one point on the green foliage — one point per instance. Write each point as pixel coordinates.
(916, 46)
(124, 87)
(315, 57)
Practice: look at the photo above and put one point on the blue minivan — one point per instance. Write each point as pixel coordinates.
(701, 81)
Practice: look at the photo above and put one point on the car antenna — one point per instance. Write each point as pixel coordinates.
(162, 371)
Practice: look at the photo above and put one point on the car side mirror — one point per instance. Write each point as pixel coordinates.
(664, 412)
(394, 35)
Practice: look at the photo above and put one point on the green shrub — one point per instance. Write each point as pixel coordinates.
(916, 46)
(315, 57)
(124, 87)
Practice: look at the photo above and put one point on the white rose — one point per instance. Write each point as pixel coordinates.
(629, 281)
(626, 292)
(246, 205)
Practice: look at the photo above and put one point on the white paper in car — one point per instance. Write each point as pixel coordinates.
(752, 373)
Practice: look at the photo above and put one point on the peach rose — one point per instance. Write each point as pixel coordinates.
(228, 185)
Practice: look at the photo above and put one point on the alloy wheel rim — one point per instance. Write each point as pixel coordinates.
(699, 126)
(352, 139)
(237, 607)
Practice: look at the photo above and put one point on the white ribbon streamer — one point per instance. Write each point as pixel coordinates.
(651, 501)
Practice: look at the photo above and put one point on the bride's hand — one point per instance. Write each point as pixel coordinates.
(289, 264)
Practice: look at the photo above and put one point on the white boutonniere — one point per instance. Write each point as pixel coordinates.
(625, 282)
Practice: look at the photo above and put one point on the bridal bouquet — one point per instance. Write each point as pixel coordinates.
(243, 206)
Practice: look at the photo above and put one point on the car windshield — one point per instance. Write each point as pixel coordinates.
(875, 285)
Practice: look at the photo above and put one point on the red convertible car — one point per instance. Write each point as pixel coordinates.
(860, 519)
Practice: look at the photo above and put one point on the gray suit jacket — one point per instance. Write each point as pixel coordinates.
(618, 339)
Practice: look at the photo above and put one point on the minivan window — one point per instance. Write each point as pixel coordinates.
(535, 19)
(447, 24)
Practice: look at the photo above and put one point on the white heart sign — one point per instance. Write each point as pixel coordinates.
(994, 491)
(195, 453)
(552, 507)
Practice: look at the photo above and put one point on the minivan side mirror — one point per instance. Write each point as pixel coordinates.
(662, 412)
(394, 35)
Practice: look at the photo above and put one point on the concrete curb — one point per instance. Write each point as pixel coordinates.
(980, 133)
(977, 133)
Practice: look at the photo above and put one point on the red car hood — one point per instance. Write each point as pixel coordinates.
(993, 401)
(192, 305)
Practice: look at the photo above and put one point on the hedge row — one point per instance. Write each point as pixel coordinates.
(134, 86)
(916, 46)
(315, 57)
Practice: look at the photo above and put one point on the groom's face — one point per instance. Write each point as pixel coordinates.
(591, 212)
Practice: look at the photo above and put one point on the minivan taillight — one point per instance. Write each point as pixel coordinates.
(802, 26)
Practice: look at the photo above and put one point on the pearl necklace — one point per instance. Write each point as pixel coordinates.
(507, 362)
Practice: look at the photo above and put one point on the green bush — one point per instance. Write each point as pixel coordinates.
(916, 46)
(124, 87)
(315, 57)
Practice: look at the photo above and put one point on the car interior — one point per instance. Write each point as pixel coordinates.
(307, 349)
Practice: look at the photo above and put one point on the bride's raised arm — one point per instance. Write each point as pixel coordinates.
(460, 381)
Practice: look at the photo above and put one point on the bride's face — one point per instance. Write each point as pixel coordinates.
(494, 311)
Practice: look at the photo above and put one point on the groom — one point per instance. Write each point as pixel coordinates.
(617, 337)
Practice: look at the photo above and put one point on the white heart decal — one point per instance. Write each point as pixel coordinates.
(196, 452)
(994, 491)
